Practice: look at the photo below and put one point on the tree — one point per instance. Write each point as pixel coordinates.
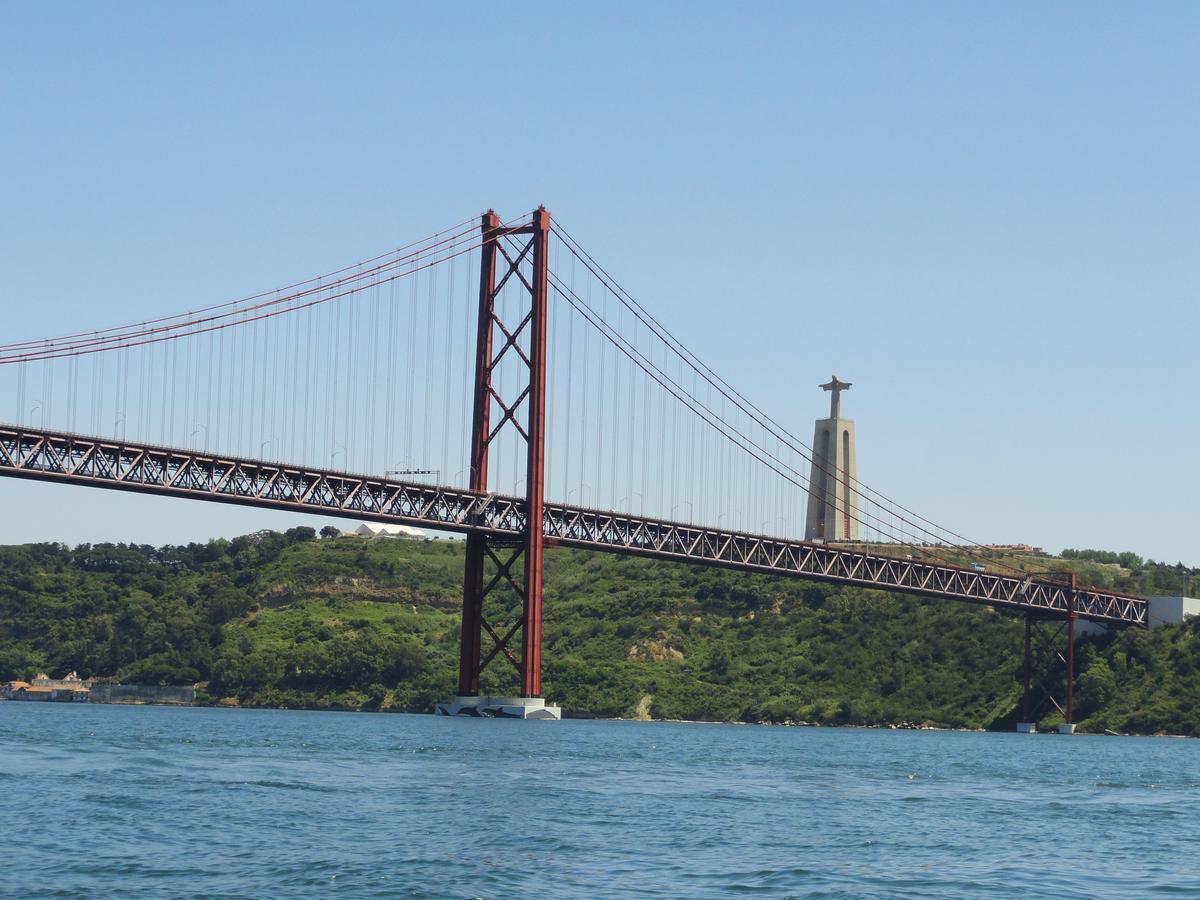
(1097, 687)
(1130, 560)
(330, 531)
(376, 693)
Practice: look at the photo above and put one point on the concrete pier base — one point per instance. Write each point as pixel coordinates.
(1066, 729)
(1027, 728)
(500, 708)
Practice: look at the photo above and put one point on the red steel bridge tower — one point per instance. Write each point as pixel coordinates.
(515, 560)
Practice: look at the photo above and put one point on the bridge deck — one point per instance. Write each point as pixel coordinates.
(145, 468)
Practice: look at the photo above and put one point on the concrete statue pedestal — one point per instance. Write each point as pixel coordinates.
(499, 708)
(832, 513)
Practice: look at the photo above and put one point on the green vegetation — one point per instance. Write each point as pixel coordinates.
(354, 623)
(1126, 560)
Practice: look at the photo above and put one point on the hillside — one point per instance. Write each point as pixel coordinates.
(292, 620)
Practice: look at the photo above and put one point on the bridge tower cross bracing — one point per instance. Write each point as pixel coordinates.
(496, 338)
(1057, 648)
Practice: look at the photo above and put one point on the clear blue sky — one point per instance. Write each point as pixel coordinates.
(986, 216)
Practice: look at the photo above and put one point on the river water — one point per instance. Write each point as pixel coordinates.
(102, 801)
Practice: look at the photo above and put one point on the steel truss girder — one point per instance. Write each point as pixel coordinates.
(572, 526)
(76, 459)
(145, 468)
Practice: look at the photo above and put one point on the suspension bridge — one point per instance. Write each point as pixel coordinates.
(561, 412)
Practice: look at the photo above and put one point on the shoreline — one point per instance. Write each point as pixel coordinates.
(905, 726)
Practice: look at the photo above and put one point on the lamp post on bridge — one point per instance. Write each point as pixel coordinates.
(688, 504)
(621, 502)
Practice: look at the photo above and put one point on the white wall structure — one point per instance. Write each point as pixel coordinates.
(833, 488)
(1172, 610)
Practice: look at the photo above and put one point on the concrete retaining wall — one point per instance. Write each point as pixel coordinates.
(141, 693)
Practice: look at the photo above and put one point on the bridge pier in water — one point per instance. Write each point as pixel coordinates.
(1047, 648)
(504, 553)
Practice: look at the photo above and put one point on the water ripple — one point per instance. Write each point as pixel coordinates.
(236, 803)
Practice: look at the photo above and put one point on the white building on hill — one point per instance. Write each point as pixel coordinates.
(1172, 610)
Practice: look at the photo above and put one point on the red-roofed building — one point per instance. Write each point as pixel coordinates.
(10, 687)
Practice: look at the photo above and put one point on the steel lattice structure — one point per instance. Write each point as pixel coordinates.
(529, 398)
(75, 459)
